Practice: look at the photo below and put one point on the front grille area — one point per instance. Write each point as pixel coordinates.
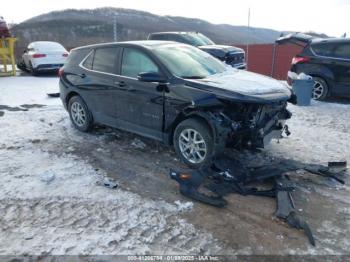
(235, 58)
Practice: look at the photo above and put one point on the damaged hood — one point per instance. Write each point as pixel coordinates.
(243, 85)
(220, 50)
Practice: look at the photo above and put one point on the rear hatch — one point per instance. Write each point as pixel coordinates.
(295, 38)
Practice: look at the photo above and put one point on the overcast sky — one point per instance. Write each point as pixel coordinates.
(328, 16)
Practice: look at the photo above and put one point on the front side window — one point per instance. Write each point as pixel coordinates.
(105, 60)
(342, 51)
(189, 62)
(136, 62)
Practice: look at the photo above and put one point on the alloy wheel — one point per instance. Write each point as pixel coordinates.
(192, 146)
(317, 90)
(78, 114)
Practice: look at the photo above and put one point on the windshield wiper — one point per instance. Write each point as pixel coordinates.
(192, 77)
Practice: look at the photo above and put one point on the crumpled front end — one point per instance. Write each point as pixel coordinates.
(243, 125)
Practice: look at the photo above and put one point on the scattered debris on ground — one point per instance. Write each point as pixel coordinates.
(224, 176)
(137, 143)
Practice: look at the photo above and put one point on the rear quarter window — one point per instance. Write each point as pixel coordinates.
(324, 49)
(88, 61)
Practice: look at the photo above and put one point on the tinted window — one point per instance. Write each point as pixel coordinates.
(178, 38)
(159, 37)
(189, 62)
(324, 49)
(88, 61)
(136, 62)
(105, 60)
(342, 51)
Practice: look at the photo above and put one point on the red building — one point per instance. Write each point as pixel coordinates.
(260, 59)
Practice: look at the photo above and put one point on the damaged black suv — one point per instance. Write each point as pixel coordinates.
(174, 93)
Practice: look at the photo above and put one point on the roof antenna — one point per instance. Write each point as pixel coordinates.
(247, 51)
(115, 29)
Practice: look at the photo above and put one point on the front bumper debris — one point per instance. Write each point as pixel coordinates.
(224, 176)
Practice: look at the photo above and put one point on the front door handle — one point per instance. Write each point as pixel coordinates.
(120, 83)
(123, 86)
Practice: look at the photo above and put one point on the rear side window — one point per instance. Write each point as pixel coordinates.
(324, 49)
(342, 51)
(105, 59)
(136, 62)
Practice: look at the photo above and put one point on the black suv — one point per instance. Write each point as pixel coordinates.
(327, 60)
(173, 93)
(231, 55)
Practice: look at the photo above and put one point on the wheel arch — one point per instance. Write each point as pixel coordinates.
(200, 116)
(70, 95)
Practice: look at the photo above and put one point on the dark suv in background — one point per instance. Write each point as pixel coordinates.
(231, 55)
(327, 60)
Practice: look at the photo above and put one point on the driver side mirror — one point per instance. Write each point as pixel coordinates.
(151, 77)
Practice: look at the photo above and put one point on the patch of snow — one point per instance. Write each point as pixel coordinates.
(15, 91)
(183, 206)
(137, 143)
(50, 201)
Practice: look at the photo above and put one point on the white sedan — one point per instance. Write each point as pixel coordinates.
(43, 56)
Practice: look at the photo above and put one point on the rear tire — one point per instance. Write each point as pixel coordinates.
(32, 71)
(320, 90)
(80, 115)
(193, 142)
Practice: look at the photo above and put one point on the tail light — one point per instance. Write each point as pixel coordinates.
(65, 55)
(60, 72)
(298, 60)
(38, 55)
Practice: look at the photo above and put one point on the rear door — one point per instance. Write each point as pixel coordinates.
(97, 84)
(140, 104)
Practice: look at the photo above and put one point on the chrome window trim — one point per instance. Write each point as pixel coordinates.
(95, 71)
(330, 57)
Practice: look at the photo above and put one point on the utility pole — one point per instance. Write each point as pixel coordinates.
(115, 29)
(247, 52)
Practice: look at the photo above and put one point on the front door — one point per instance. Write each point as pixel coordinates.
(139, 104)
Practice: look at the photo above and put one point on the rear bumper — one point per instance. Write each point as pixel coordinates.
(48, 67)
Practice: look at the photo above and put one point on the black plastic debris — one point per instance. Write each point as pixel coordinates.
(226, 175)
(189, 184)
(286, 208)
(53, 94)
(107, 182)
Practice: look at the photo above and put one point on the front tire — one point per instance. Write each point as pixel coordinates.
(79, 114)
(193, 143)
(320, 90)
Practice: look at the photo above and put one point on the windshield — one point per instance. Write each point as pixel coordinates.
(189, 62)
(197, 39)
